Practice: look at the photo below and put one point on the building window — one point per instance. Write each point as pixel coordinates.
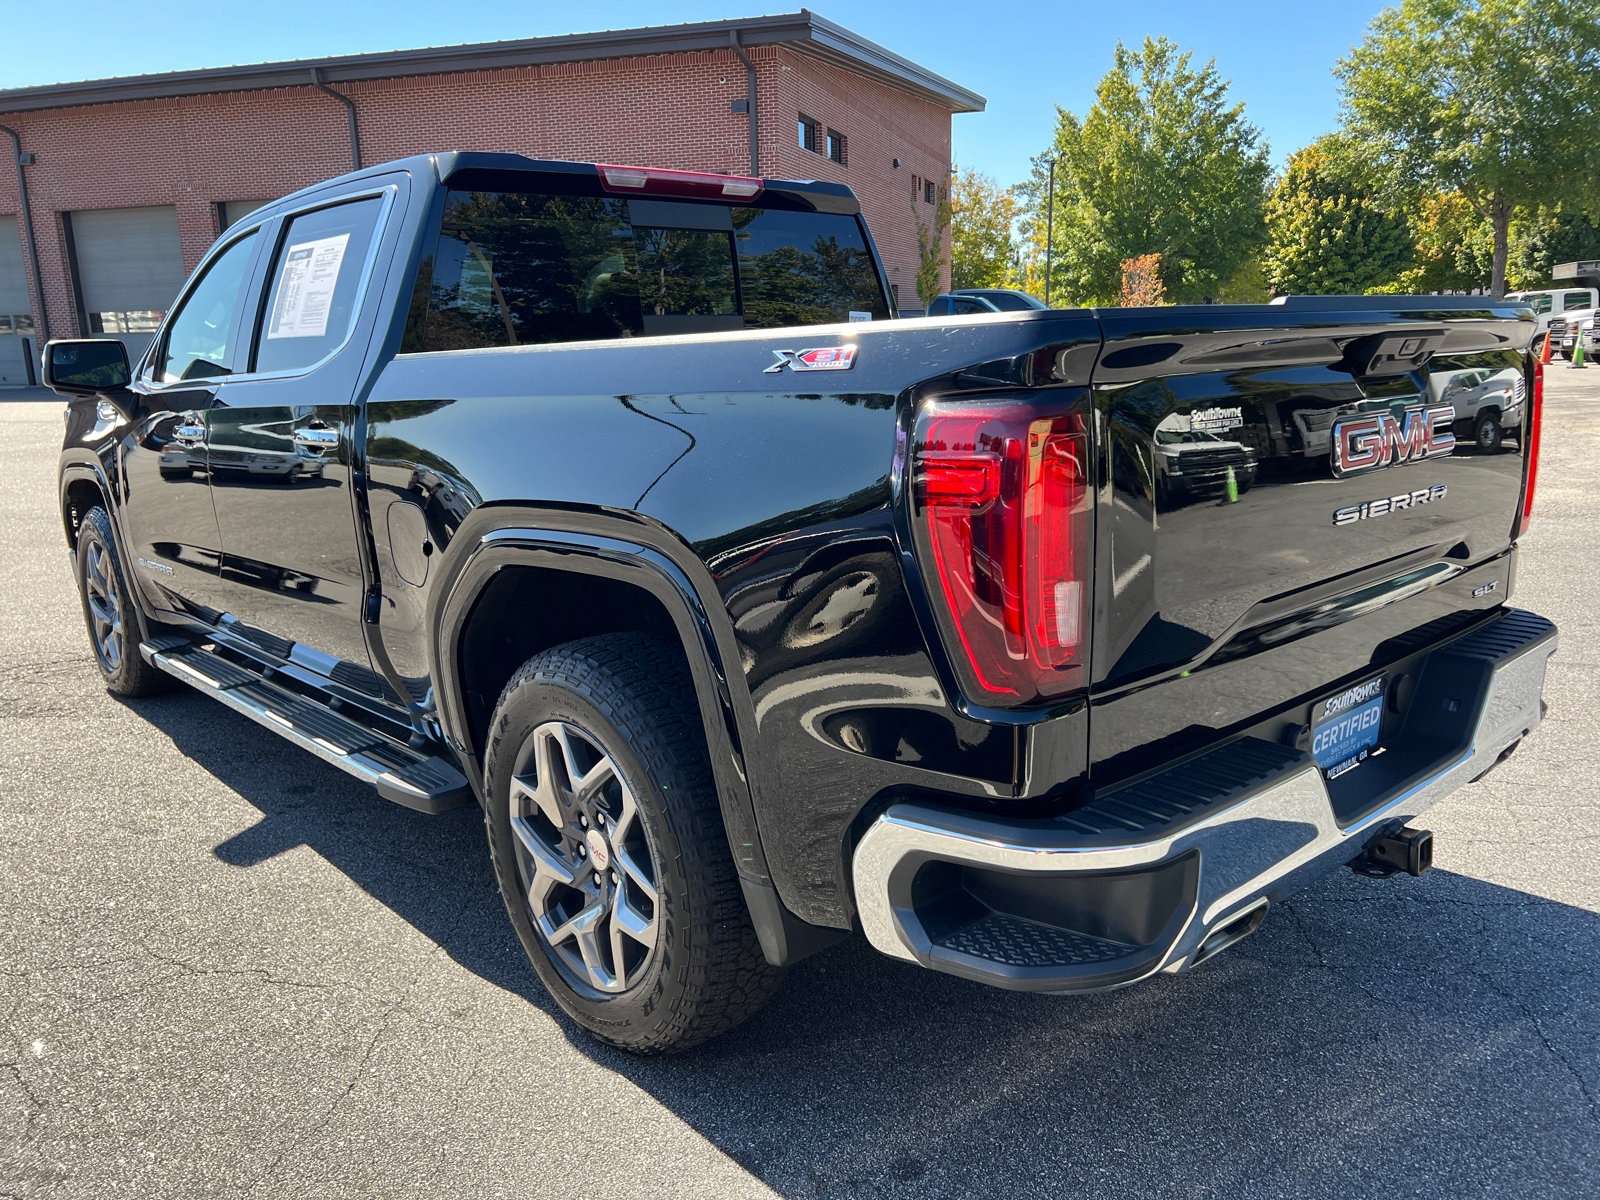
(808, 134)
(927, 190)
(130, 321)
(836, 147)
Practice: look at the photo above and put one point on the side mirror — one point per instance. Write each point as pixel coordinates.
(86, 366)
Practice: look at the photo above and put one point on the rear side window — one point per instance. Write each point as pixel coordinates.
(1575, 300)
(316, 283)
(513, 268)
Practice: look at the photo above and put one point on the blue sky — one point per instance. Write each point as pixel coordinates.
(1025, 59)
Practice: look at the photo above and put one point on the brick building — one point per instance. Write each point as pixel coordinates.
(127, 181)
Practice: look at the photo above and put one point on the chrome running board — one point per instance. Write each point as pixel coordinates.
(418, 781)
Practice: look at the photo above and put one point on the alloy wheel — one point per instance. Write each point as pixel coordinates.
(105, 605)
(583, 857)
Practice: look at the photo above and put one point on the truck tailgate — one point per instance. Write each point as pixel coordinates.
(1246, 564)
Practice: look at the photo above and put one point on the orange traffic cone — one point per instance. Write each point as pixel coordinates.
(1545, 357)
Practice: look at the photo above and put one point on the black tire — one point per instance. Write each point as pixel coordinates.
(629, 699)
(109, 614)
(1487, 433)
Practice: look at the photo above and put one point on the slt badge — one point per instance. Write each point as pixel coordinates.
(827, 358)
(1375, 440)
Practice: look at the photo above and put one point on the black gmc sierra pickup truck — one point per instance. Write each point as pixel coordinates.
(1044, 648)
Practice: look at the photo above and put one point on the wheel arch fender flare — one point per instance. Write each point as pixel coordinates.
(85, 469)
(632, 551)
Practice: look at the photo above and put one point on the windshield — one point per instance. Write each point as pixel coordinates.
(1171, 437)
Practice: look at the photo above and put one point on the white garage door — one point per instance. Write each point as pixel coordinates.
(17, 340)
(235, 211)
(130, 268)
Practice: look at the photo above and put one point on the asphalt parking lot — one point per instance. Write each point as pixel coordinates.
(229, 969)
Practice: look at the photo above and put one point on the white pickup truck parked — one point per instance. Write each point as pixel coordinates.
(1561, 311)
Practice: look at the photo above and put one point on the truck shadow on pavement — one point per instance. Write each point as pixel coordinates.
(1433, 1036)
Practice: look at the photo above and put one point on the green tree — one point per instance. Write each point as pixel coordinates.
(1325, 234)
(1162, 164)
(983, 248)
(1248, 285)
(1490, 99)
(1551, 236)
(930, 246)
(1454, 249)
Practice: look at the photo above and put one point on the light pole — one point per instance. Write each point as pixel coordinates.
(1049, 231)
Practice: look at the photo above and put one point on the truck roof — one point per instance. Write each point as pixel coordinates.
(815, 194)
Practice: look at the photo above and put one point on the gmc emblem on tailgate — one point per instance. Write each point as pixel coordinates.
(1375, 440)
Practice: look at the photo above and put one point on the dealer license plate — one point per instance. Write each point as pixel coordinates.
(1344, 728)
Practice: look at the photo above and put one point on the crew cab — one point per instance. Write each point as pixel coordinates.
(616, 501)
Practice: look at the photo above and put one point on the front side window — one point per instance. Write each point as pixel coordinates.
(316, 283)
(196, 344)
(513, 268)
(1541, 304)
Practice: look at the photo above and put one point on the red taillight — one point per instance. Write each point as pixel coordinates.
(696, 184)
(1530, 468)
(1001, 504)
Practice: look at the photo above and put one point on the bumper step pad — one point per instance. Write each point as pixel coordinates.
(1003, 938)
(419, 781)
(1159, 874)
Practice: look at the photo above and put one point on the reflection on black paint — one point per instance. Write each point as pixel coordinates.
(788, 609)
(1192, 570)
(269, 577)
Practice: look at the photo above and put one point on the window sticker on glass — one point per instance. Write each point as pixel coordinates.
(856, 315)
(305, 292)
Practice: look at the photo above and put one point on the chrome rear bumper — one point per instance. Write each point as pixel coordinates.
(1045, 905)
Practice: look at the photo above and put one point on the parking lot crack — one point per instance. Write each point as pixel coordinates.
(259, 973)
(395, 1007)
(1551, 1046)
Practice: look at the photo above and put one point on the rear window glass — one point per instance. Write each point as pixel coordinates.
(513, 268)
(804, 268)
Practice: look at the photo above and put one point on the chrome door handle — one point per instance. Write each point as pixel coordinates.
(316, 439)
(189, 432)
